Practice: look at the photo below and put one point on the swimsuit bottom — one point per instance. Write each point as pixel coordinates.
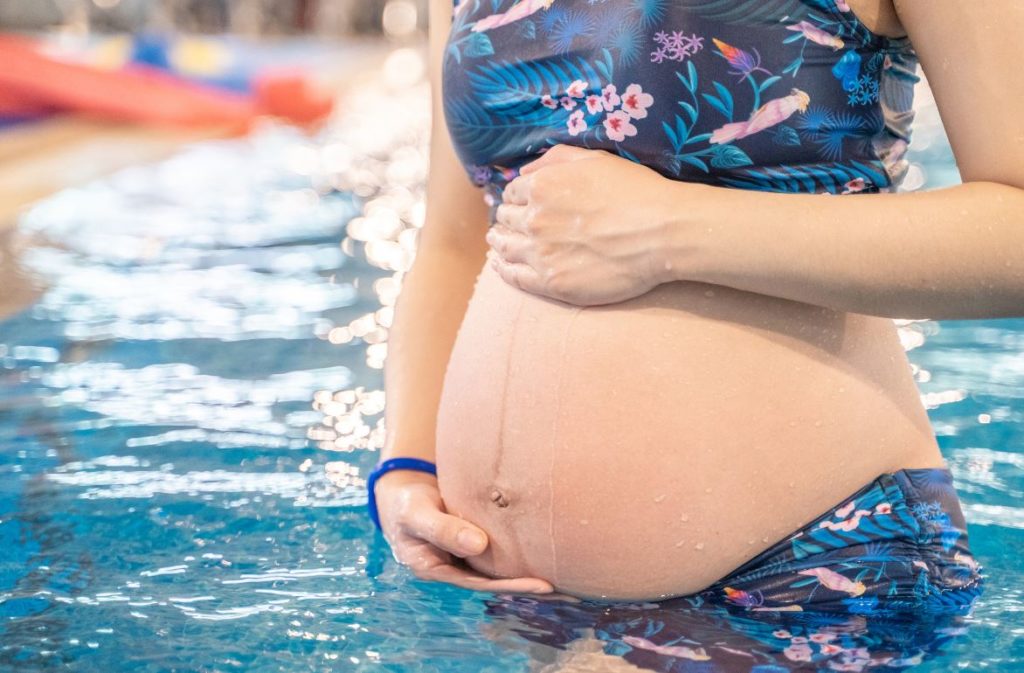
(882, 580)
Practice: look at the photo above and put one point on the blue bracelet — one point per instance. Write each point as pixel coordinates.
(383, 468)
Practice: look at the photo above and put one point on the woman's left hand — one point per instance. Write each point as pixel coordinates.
(583, 226)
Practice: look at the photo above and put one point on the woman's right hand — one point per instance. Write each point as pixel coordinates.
(426, 538)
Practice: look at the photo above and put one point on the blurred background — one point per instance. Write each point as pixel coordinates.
(331, 18)
(90, 86)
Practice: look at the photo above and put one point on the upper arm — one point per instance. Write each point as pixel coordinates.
(457, 215)
(968, 51)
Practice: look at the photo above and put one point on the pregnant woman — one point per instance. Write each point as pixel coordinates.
(658, 359)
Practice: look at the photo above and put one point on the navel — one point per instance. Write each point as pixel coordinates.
(499, 499)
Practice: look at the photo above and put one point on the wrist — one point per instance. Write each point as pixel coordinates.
(405, 477)
(686, 235)
(386, 467)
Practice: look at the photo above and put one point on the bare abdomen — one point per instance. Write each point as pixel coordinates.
(647, 448)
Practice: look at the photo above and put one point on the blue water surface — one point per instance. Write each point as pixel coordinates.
(189, 408)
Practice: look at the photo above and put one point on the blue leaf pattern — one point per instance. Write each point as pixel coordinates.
(776, 95)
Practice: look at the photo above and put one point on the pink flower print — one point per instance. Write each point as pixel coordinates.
(845, 511)
(798, 640)
(658, 55)
(577, 124)
(610, 97)
(822, 637)
(855, 185)
(798, 653)
(852, 522)
(548, 102)
(567, 103)
(578, 89)
(594, 103)
(635, 102)
(618, 126)
(829, 649)
(883, 508)
(782, 633)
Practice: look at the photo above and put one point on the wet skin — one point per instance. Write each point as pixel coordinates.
(644, 449)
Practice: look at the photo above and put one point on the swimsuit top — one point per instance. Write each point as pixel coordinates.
(776, 95)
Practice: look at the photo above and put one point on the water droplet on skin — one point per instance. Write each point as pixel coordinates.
(792, 424)
(659, 498)
(764, 539)
(709, 293)
(684, 517)
(817, 424)
(698, 546)
(583, 522)
(750, 542)
(707, 490)
(680, 543)
(842, 390)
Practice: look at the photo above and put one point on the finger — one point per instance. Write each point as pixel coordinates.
(557, 154)
(433, 564)
(517, 191)
(518, 274)
(418, 555)
(511, 216)
(448, 532)
(469, 579)
(511, 246)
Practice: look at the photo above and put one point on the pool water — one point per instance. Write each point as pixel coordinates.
(190, 407)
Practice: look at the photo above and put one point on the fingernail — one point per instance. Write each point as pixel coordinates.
(470, 540)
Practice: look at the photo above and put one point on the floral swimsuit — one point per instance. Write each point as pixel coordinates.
(780, 95)
(881, 582)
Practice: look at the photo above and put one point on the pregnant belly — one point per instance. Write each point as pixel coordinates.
(645, 449)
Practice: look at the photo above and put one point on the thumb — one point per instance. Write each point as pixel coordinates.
(428, 521)
(556, 155)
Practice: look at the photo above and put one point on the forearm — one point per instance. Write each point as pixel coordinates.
(428, 314)
(952, 253)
